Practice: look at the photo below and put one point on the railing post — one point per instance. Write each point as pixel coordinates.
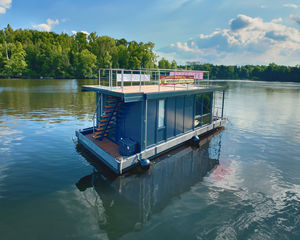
(99, 77)
(146, 123)
(122, 83)
(159, 80)
(140, 79)
(109, 74)
(223, 99)
(101, 106)
(208, 82)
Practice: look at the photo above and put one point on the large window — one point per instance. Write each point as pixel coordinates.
(206, 103)
(203, 109)
(161, 113)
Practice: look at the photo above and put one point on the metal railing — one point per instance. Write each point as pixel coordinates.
(120, 78)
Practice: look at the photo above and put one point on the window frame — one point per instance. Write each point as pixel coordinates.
(161, 113)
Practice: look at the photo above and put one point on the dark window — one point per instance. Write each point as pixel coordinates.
(203, 109)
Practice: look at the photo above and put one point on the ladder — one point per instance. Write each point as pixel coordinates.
(108, 117)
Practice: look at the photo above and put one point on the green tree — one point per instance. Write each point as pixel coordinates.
(174, 64)
(85, 64)
(107, 60)
(123, 56)
(15, 65)
(80, 41)
(164, 64)
(134, 63)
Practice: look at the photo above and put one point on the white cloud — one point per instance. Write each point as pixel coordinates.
(85, 32)
(291, 5)
(46, 26)
(4, 4)
(247, 41)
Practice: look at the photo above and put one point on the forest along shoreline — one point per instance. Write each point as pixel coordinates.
(34, 54)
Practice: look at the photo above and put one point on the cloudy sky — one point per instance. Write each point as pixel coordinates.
(214, 31)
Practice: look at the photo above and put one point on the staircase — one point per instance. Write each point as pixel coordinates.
(107, 120)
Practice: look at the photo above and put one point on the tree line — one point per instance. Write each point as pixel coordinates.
(271, 72)
(35, 54)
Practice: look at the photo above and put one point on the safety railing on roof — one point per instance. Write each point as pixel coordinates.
(173, 78)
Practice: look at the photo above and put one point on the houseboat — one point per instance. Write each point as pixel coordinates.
(141, 114)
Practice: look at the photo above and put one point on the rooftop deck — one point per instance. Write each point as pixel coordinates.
(139, 93)
(144, 88)
(138, 85)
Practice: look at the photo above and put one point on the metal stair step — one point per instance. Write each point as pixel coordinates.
(102, 128)
(108, 110)
(109, 106)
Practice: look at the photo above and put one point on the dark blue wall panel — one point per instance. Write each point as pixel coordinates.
(179, 114)
(161, 134)
(170, 117)
(152, 115)
(188, 113)
(179, 118)
(129, 122)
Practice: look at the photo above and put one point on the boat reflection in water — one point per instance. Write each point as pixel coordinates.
(128, 201)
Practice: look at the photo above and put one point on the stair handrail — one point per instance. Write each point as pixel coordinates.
(94, 116)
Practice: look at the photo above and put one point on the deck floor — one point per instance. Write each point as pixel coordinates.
(107, 145)
(146, 88)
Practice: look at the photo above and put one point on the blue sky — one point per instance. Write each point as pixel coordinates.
(214, 31)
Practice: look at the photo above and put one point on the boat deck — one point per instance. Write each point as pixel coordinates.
(108, 151)
(107, 145)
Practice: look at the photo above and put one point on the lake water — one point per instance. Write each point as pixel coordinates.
(241, 183)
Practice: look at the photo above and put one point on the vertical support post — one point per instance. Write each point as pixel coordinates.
(111, 78)
(140, 80)
(211, 106)
(194, 111)
(131, 78)
(96, 113)
(146, 123)
(101, 106)
(99, 77)
(159, 80)
(208, 83)
(109, 74)
(116, 78)
(223, 98)
(202, 106)
(122, 83)
(175, 74)
(214, 105)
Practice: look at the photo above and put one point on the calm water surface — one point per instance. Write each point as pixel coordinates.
(242, 183)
